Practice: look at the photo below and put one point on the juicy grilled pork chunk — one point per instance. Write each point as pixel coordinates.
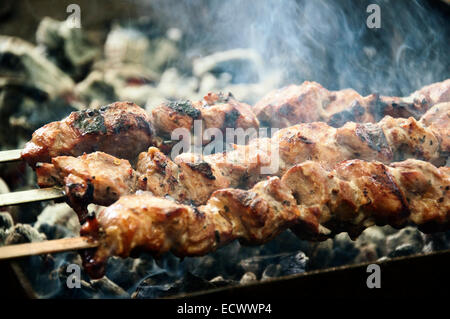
(97, 178)
(315, 202)
(310, 102)
(193, 177)
(220, 111)
(121, 129)
(438, 120)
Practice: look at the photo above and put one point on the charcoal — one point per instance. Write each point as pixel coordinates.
(285, 263)
(6, 221)
(23, 233)
(367, 252)
(223, 261)
(23, 65)
(3, 236)
(271, 271)
(33, 90)
(345, 250)
(4, 189)
(409, 235)
(54, 231)
(248, 278)
(108, 288)
(373, 235)
(68, 47)
(436, 242)
(95, 91)
(404, 250)
(59, 215)
(235, 62)
(219, 281)
(121, 272)
(130, 46)
(321, 254)
(162, 284)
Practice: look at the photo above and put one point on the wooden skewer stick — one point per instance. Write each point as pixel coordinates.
(33, 195)
(10, 156)
(46, 247)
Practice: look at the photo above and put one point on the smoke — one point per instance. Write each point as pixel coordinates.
(324, 41)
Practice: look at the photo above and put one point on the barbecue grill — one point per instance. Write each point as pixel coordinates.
(393, 130)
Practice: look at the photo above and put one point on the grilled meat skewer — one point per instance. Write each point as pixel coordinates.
(219, 111)
(97, 178)
(101, 130)
(310, 102)
(123, 129)
(316, 202)
(101, 178)
(193, 177)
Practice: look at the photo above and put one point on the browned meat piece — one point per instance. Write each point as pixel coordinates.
(310, 102)
(317, 203)
(438, 120)
(193, 178)
(215, 111)
(121, 129)
(97, 178)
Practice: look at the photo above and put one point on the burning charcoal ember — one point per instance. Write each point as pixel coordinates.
(373, 235)
(95, 91)
(130, 46)
(132, 82)
(108, 288)
(248, 278)
(172, 85)
(6, 223)
(69, 47)
(23, 233)
(367, 253)
(404, 250)
(287, 265)
(4, 189)
(23, 65)
(321, 254)
(219, 281)
(59, 215)
(276, 265)
(406, 241)
(436, 242)
(237, 62)
(54, 231)
(127, 272)
(162, 284)
(33, 91)
(345, 250)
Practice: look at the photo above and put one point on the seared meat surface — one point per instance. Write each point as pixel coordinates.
(121, 129)
(310, 102)
(193, 177)
(97, 178)
(219, 111)
(438, 120)
(316, 202)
